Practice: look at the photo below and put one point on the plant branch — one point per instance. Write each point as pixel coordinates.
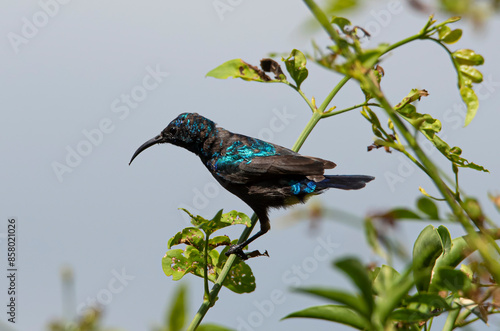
(333, 93)
(334, 113)
(451, 319)
(205, 276)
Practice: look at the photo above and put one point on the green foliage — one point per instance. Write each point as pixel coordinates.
(200, 256)
(440, 286)
(425, 123)
(177, 314)
(426, 250)
(333, 313)
(384, 299)
(91, 320)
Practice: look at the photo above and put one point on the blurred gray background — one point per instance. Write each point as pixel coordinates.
(64, 91)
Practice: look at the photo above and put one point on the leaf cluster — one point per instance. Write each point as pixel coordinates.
(200, 256)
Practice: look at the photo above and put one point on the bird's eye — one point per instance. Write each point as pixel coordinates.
(173, 130)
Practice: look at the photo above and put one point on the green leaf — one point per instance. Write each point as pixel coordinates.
(453, 154)
(429, 127)
(473, 208)
(433, 301)
(369, 57)
(234, 217)
(426, 250)
(240, 278)
(460, 249)
(189, 236)
(446, 278)
(296, 66)
(470, 98)
(335, 6)
(219, 221)
(443, 31)
(219, 241)
(334, 313)
(468, 57)
(403, 213)
(452, 20)
(351, 301)
(177, 315)
(392, 297)
(414, 95)
(372, 237)
(466, 269)
(387, 277)
(178, 262)
(449, 36)
(341, 22)
(409, 315)
(212, 327)
(445, 236)
(472, 73)
(359, 276)
(428, 207)
(238, 68)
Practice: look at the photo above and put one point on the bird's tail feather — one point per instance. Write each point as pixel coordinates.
(345, 182)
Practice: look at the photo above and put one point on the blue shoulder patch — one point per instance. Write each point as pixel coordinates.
(239, 152)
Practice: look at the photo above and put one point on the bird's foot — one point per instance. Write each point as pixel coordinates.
(238, 251)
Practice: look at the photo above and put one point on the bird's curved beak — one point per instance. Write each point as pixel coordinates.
(156, 140)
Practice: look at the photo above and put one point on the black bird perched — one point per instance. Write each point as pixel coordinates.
(262, 174)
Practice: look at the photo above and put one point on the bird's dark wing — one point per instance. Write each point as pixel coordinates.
(261, 168)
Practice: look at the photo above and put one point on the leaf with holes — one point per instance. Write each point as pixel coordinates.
(296, 66)
(189, 236)
(238, 68)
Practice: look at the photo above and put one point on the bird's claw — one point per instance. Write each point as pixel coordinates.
(238, 251)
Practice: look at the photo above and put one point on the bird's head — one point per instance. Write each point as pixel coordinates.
(188, 130)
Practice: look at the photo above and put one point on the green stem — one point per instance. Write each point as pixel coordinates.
(307, 130)
(333, 93)
(323, 20)
(205, 267)
(430, 323)
(455, 64)
(309, 103)
(333, 113)
(403, 42)
(452, 317)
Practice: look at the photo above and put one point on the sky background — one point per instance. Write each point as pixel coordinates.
(63, 91)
